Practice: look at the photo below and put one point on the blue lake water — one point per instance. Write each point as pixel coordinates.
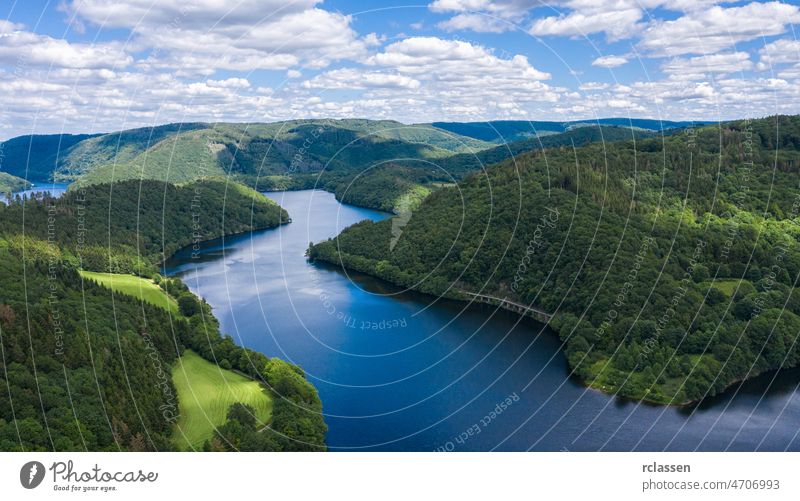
(54, 189)
(405, 371)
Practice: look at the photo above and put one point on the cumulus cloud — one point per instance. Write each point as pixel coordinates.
(194, 60)
(18, 47)
(783, 51)
(483, 16)
(610, 61)
(480, 23)
(208, 35)
(350, 78)
(616, 19)
(711, 30)
(700, 66)
(453, 59)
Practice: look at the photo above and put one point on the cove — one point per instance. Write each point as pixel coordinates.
(405, 371)
(41, 187)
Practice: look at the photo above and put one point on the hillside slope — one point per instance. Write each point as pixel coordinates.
(10, 183)
(86, 367)
(507, 131)
(633, 247)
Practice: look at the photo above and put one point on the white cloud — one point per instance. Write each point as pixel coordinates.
(350, 78)
(24, 48)
(506, 9)
(475, 22)
(712, 30)
(200, 14)
(7, 26)
(791, 73)
(779, 52)
(610, 61)
(203, 36)
(483, 16)
(616, 19)
(453, 59)
(229, 83)
(698, 67)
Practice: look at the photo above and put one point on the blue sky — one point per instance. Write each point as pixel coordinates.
(99, 65)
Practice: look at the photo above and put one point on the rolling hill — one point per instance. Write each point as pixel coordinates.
(507, 131)
(10, 183)
(366, 162)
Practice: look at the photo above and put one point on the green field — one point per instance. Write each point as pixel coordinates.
(728, 286)
(145, 290)
(205, 392)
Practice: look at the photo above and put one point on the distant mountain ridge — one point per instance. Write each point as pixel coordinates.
(163, 152)
(504, 131)
(375, 163)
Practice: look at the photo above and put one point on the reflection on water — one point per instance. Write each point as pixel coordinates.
(405, 371)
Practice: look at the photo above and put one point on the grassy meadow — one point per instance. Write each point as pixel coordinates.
(145, 290)
(205, 392)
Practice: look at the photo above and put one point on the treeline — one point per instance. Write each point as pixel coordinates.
(670, 262)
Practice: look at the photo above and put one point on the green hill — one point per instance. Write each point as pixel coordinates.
(124, 228)
(143, 289)
(37, 157)
(507, 131)
(368, 162)
(632, 245)
(464, 163)
(10, 183)
(71, 346)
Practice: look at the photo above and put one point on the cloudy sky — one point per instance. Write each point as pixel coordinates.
(102, 65)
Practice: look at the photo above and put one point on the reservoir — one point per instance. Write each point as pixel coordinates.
(405, 371)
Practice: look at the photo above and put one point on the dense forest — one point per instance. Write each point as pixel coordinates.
(457, 166)
(84, 368)
(669, 263)
(125, 226)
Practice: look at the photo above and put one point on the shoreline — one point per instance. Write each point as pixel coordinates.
(609, 391)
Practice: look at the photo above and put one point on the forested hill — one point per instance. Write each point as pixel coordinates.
(85, 367)
(10, 184)
(184, 152)
(398, 186)
(507, 131)
(669, 263)
(36, 157)
(465, 163)
(123, 226)
(377, 163)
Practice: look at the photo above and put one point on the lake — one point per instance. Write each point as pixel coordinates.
(405, 371)
(54, 189)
